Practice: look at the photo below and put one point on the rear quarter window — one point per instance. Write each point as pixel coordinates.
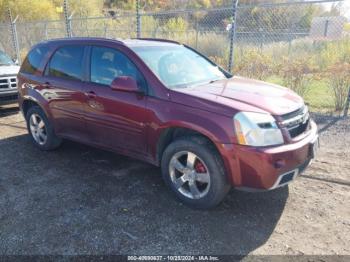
(67, 63)
(33, 60)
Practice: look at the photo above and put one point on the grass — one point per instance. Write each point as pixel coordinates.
(319, 98)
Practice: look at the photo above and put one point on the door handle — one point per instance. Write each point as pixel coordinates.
(91, 94)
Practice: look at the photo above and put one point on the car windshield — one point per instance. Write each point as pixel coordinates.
(178, 66)
(5, 59)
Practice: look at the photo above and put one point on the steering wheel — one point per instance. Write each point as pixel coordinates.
(162, 67)
(183, 74)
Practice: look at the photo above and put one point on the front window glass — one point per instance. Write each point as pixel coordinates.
(177, 66)
(5, 59)
(108, 64)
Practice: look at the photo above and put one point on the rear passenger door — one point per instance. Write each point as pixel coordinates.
(115, 119)
(64, 76)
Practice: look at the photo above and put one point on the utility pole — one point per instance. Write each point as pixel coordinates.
(138, 19)
(14, 35)
(233, 35)
(67, 19)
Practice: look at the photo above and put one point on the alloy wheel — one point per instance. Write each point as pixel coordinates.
(38, 129)
(189, 174)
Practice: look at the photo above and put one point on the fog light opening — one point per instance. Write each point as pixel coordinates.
(279, 163)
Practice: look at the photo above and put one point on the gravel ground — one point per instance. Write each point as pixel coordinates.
(81, 200)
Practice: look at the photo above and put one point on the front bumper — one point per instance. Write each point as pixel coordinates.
(256, 169)
(8, 97)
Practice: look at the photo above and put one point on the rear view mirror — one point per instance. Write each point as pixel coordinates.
(125, 83)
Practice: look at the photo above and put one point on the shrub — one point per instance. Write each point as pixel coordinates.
(176, 25)
(329, 53)
(213, 45)
(221, 61)
(149, 26)
(297, 74)
(339, 80)
(254, 64)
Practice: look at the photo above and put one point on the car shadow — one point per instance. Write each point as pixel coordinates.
(325, 122)
(81, 200)
(8, 110)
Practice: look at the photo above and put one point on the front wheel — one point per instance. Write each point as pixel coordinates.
(194, 171)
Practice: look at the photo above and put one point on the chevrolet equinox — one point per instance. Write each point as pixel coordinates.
(165, 103)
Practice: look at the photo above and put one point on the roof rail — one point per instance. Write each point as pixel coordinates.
(157, 39)
(83, 38)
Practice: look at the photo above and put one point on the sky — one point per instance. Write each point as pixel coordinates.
(346, 7)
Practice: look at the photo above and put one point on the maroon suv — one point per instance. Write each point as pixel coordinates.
(166, 104)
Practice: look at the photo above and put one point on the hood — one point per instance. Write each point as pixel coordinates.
(255, 95)
(8, 70)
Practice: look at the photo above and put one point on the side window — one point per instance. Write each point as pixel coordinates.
(32, 62)
(67, 63)
(107, 64)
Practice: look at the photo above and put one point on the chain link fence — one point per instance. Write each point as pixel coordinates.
(205, 30)
(303, 45)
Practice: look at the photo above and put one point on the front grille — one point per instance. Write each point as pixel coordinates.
(9, 82)
(293, 113)
(299, 129)
(297, 122)
(9, 98)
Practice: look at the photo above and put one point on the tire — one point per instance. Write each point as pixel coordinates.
(210, 191)
(52, 141)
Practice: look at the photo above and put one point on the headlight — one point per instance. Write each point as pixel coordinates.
(257, 129)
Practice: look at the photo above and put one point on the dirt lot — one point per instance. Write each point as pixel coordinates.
(80, 200)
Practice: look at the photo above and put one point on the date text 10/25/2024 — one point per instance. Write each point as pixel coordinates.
(173, 258)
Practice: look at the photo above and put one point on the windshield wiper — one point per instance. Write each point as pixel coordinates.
(214, 80)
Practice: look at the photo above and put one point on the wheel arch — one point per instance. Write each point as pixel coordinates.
(170, 134)
(28, 102)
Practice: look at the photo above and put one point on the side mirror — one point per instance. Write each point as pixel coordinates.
(15, 61)
(125, 83)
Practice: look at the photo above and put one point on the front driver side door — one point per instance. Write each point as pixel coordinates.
(115, 119)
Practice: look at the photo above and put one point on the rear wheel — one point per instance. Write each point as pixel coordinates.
(41, 130)
(194, 171)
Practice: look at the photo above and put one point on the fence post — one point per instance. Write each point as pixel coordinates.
(196, 28)
(346, 109)
(232, 35)
(45, 28)
(138, 19)
(68, 19)
(105, 24)
(14, 36)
